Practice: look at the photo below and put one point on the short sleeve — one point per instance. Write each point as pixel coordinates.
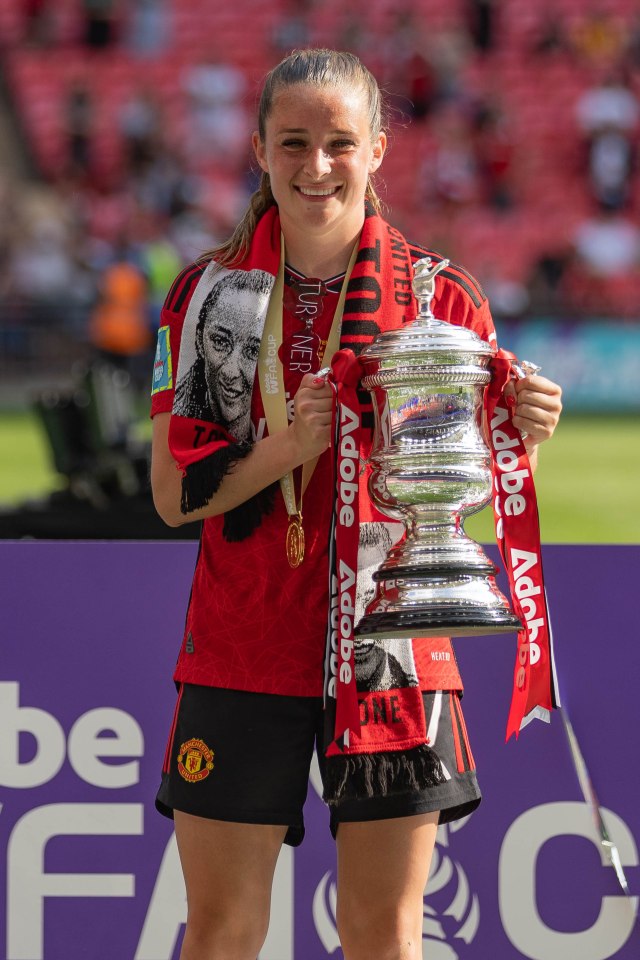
(461, 300)
(165, 363)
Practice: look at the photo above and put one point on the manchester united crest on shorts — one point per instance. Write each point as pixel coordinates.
(195, 761)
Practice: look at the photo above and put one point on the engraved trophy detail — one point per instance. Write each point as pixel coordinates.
(431, 469)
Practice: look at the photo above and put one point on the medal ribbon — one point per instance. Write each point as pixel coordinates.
(271, 375)
(340, 676)
(518, 534)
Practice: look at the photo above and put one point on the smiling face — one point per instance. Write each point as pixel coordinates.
(230, 349)
(319, 153)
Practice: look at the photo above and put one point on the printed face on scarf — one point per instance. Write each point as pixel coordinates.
(230, 350)
(319, 154)
(380, 668)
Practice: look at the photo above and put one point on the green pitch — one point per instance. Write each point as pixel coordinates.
(26, 470)
(588, 480)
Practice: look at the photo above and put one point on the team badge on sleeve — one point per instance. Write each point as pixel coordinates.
(162, 367)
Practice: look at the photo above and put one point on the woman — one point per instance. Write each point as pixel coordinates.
(252, 663)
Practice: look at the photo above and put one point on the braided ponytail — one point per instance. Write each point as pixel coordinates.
(235, 248)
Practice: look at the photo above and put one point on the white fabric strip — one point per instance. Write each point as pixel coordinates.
(434, 721)
(434, 724)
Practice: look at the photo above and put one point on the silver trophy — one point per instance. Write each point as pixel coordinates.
(431, 469)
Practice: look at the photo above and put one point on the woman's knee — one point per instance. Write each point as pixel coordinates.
(390, 931)
(225, 934)
(228, 869)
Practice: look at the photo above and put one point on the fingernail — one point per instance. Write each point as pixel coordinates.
(318, 380)
(510, 400)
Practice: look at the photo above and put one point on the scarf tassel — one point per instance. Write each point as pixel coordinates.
(202, 479)
(240, 522)
(362, 775)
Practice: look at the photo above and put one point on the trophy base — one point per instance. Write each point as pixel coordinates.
(444, 621)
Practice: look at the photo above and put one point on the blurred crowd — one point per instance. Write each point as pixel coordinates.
(89, 247)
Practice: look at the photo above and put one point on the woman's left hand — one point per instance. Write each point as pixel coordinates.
(536, 405)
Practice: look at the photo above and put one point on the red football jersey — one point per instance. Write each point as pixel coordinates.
(253, 622)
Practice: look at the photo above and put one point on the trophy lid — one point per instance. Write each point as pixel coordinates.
(426, 334)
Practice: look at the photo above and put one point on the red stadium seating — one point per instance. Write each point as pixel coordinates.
(537, 93)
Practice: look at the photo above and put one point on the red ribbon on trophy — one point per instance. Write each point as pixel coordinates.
(518, 535)
(340, 677)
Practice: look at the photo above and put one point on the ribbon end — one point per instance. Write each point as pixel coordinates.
(513, 729)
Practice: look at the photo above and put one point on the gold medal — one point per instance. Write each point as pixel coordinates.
(295, 541)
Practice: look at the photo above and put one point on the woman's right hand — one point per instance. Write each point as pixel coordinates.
(313, 410)
(306, 437)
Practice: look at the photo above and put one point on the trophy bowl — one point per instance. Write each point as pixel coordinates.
(431, 468)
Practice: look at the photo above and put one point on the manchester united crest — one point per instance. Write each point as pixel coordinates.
(195, 761)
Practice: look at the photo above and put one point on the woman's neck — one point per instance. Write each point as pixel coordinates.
(313, 258)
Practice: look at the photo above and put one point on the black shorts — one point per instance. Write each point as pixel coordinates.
(245, 758)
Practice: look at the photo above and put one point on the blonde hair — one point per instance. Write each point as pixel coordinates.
(322, 68)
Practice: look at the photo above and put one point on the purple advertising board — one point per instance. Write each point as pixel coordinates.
(90, 632)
